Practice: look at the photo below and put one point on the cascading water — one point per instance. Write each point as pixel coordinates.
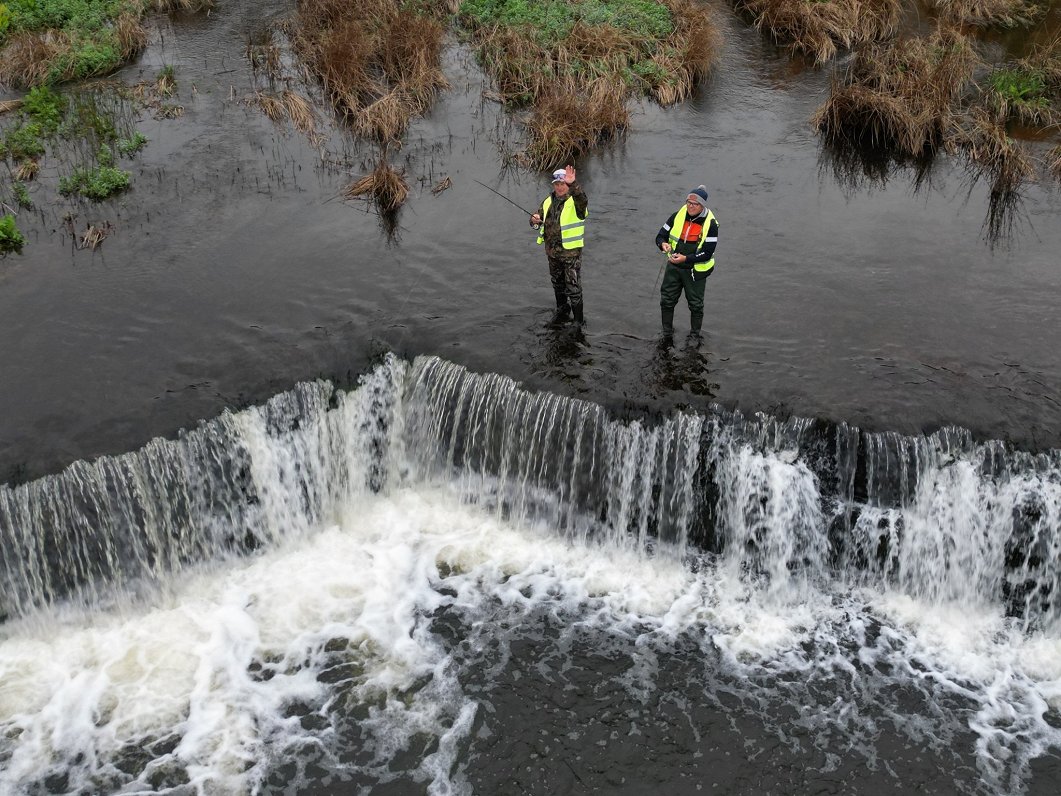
(334, 585)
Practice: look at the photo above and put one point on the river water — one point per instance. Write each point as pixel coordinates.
(614, 578)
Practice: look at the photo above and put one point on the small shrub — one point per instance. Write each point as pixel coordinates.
(11, 239)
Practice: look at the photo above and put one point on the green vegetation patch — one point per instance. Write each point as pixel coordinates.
(11, 239)
(1018, 85)
(549, 22)
(96, 183)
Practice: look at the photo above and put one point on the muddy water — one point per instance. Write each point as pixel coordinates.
(234, 271)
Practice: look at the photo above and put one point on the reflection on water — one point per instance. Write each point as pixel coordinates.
(679, 364)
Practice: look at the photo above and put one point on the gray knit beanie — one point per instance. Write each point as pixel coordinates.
(699, 195)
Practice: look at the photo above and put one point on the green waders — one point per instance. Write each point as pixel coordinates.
(675, 281)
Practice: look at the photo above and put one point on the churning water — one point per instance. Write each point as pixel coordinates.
(440, 582)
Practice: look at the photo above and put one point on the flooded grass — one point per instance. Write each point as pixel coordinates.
(900, 96)
(385, 184)
(820, 28)
(575, 64)
(82, 133)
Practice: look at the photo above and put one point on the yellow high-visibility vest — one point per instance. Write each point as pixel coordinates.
(572, 228)
(676, 230)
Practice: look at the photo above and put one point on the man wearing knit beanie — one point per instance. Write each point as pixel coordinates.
(688, 238)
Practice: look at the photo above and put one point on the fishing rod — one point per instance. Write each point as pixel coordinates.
(528, 212)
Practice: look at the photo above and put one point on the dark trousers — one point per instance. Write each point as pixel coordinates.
(675, 282)
(565, 272)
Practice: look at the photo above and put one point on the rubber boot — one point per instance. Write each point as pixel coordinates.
(696, 320)
(563, 309)
(668, 321)
(578, 311)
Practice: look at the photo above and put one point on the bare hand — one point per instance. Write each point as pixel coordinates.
(570, 176)
(536, 220)
(677, 259)
(665, 247)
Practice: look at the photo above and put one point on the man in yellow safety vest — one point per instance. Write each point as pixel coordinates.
(561, 225)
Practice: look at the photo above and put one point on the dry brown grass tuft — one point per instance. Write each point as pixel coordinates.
(10, 105)
(94, 235)
(27, 170)
(385, 185)
(1053, 162)
(697, 43)
(899, 96)
(571, 119)
(165, 85)
(270, 105)
(300, 112)
(821, 27)
(992, 153)
(442, 185)
(386, 119)
(373, 60)
(132, 36)
(985, 13)
(26, 58)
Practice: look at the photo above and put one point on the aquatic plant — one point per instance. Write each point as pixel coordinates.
(166, 81)
(11, 240)
(23, 141)
(94, 183)
(127, 147)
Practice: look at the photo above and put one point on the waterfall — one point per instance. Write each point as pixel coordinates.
(938, 517)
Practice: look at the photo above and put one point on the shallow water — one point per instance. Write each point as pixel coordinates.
(234, 271)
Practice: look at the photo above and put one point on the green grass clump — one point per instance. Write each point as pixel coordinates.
(1020, 86)
(11, 239)
(97, 183)
(127, 147)
(45, 107)
(21, 193)
(551, 21)
(23, 141)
